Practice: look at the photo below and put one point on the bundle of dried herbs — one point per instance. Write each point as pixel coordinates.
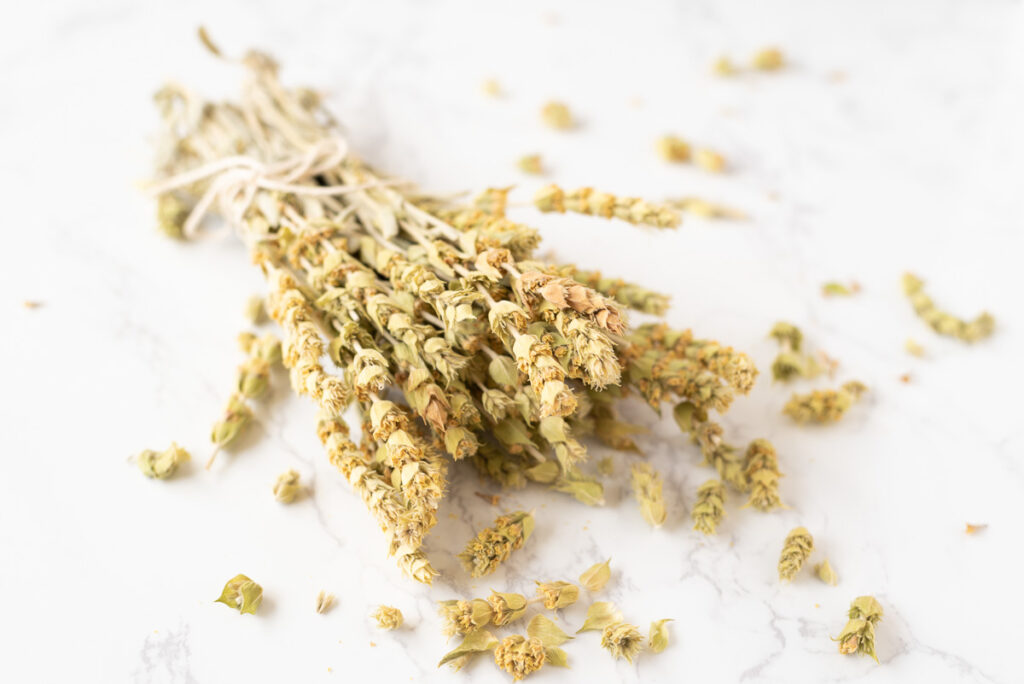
(431, 320)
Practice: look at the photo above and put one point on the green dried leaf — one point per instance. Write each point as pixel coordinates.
(658, 638)
(475, 642)
(825, 573)
(596, 576)
(547, 631)
(242, 594)
(545, 473)
(600, 615)
(557, 657)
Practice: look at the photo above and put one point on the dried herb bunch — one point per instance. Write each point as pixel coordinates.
(430, 320)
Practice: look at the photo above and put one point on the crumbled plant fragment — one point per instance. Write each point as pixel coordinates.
(558, 594)
(709, 160)
(657, 639)
(520, 656)
(255, 310)
(557, 115)
(825, 573)
(761, 469)
(492, 499)
(242, 594)
(474, 643)
(635, 210)
(705, 209)
(913, 348)
(388, 617)
(709, 508)
(768, 59)
(824, 406)
(795, 550)
(493, 545)
(606, 466)
(531, 164)
(31, 304)
(324, 602)
(490, 87)
(600, 614)
(162, 464)
(836, 289)
(858, 636)
(942, 322)
(723, 66)
(791, 361)
(622, 640)
(974, 529)
(596, 576)
(647, 487)
(287, 487)
(673, 149)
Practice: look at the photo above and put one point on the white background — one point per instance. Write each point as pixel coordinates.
(892, 142)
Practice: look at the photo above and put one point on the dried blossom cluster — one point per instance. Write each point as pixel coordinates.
(429, 320)
(858, 636)
(795, 551)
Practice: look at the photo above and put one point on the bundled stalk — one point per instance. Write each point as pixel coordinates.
(431, 319)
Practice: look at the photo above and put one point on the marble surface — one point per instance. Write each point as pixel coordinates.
(892, 142)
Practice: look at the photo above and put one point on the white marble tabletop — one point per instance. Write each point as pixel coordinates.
(892, 142)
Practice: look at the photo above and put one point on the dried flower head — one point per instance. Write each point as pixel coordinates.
(463, 617)
(287, 487)
(673, 149)
(761, 468)
(858, 636)
(795, 550)
(647, 488)
(768, 59)
(942, 322)
(622, 640)
(709, 160)
(324, 602)
(596, 576)
(162, 464)
(519, 655)
(824, 406)
(493, 545)
(825, 573)
(557, 115)
(709, 508)
(558, 594)
(388, 617)
(242, 594)
(506, 608)
(531, 164)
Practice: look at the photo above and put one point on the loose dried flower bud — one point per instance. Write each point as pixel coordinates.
(475, 642)
(558, 594)
(531, 164)
(287, 487)
(388, 617)
(858, 636)
(171, 213)
(797, 547)
(253, 377)
(761, 468)
(657, 639)
(492, 546)
(825, 573)
(596, 576)
(162, 464)
(709, 160)
(506, 608)
(768, 59)
(463, 617)
(622, 640)
(723, 66)
(242, 594)
(942, 322)
(710, 507)
(673, 149)
(647, 487)
(519, 655)
(824, 406)
(324, 601)
(557, 116)
(255, 310)
(600, 614)
(236, 416)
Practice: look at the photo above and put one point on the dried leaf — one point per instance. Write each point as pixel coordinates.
(557, 657)
(600, 615)
(658, 639)
(242, 594)
(596, 576)
(475, 642)
(547, 631)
